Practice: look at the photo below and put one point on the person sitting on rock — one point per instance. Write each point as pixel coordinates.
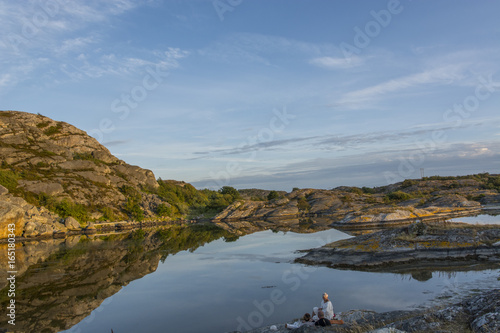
(326, 306)
(322, 321)
(306, 320)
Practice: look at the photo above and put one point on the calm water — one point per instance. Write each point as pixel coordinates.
(479, 219)
(224, 286)
(221, 286)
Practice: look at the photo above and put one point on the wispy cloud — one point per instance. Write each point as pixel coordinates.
(442, 75)
(367, 169)
(94, 66)
(329, 142)
(75, 44)
(258, 48)
(337, 63)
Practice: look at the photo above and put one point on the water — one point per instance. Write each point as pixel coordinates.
(479, 219)
(217, 286)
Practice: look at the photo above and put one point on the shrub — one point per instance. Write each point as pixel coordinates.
(163, 210)
(67, 208)
(9, 179)
(398, 196)
(273, 195)
(43, 124)
(303, 204)
(231, 191)
(356, 190)
(53, 130)
(368, 190)
(409, 182)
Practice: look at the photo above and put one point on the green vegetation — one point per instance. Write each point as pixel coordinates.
(107, 214)
(356, 190)
(132, 206)
(409, 182)
(186, 200)
(65, 208)
(492, 183)
(53, 129)
(273, 195)
(43, 124)
(397, 196)
(86, 157)
(303, 204)
(9, 179)
(163, 210)
(179, 238)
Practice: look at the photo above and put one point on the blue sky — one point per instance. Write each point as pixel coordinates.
(265, 94)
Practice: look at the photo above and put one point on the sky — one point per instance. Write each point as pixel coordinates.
(265, 94)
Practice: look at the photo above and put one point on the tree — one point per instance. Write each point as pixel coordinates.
(231, 191)
(273, 195)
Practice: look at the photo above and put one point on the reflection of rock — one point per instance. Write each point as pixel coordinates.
(63, 280)
(422, 275)
(242, 227)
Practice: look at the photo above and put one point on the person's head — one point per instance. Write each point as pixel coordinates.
(325, 297)
(306, 317)
(321, 314)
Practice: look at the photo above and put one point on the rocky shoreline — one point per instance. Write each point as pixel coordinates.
(474, 313)
(419, 243)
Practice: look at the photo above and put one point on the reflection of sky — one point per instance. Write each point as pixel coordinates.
(480, 219)
(207, 290)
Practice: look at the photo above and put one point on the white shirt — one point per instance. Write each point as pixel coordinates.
(327, 309)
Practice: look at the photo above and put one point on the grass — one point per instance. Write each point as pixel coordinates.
(53, 129)
(9, 179)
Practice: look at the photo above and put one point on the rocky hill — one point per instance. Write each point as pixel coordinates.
(55, 178)
(63, 162)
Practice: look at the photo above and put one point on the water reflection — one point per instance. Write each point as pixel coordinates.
(60, 282)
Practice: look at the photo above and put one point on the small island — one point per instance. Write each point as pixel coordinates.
(419, 245)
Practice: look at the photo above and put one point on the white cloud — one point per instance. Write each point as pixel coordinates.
(443, 75)
(336, 63)
(5, 79)
(258, 48)
(91, 66)
(75, 44)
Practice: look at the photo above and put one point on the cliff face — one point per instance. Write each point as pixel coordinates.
(45, 162)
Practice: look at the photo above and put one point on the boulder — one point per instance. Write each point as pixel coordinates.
(3, 190)
(90, 226)
(50, 188)
(71, 223)
(11, 214)
(30, 229)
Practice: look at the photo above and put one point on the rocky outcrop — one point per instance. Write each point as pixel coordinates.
(28, 219)
(353, 207)
(418, 243)
(478, 313)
